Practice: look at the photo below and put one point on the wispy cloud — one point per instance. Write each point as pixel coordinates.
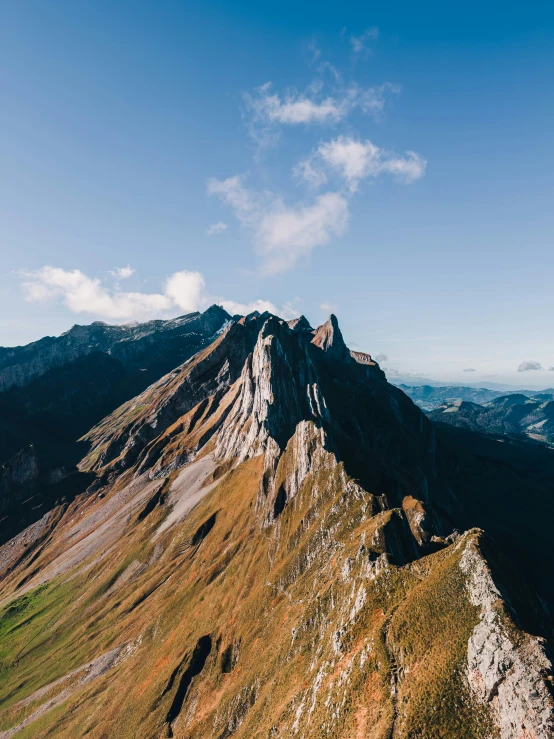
(327, 307)
(283, 234)
(287, 311)
(183, 291)
(381, 358)
(83, 294)
(526, 366)
(295, 107)
(123, 273)
(469, 369)
(216, 228)
(267, 110)
(315, 52)
(360, 43)
(354, 160)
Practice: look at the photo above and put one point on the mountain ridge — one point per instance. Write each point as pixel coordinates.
(271, 547)
(70, 382)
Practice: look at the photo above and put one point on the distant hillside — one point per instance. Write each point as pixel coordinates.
(429, 397)
(515, 415)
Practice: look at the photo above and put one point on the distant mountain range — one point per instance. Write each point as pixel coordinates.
(516, 415)
(265, 539)
(429, 397)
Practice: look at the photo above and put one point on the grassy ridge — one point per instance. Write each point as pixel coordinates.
(318, 642)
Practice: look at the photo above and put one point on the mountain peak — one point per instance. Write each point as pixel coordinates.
(300, 324)
(216, 310)
(328, 337)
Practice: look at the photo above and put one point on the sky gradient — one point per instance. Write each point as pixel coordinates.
(391, 162)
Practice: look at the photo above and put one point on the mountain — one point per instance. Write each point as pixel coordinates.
(431, 397)
(55, 389)
(515, 415)
(276, 542)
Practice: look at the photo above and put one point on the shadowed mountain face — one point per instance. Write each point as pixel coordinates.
(515, 415)
(53, 390)
(271, 547)
(56, 389)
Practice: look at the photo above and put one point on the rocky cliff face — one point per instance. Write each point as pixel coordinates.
(269, 549)
(507, 671)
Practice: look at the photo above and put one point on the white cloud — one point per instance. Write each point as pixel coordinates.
(269, 110)
(287, 310)
(123, 273)
(184, 292)
(216, 228)
(381, 358)
(359, 43)
(354, 160)
(245, 203)
(288, 233)
(295, 107)
(234, 308)
(308, 171)
(469, 369)
(283, 234)
(372, 100)
(327, 307)
(83, 294)
(526, 366)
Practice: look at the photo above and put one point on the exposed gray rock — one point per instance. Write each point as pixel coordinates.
(274, 396)
(512, 679)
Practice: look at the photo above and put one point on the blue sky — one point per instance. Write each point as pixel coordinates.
(392, 162)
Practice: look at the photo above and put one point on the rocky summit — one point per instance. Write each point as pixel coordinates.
(270, 540)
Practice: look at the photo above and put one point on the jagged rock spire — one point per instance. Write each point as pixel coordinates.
(328, 337)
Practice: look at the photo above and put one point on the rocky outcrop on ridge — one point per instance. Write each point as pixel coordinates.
(510, 677)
